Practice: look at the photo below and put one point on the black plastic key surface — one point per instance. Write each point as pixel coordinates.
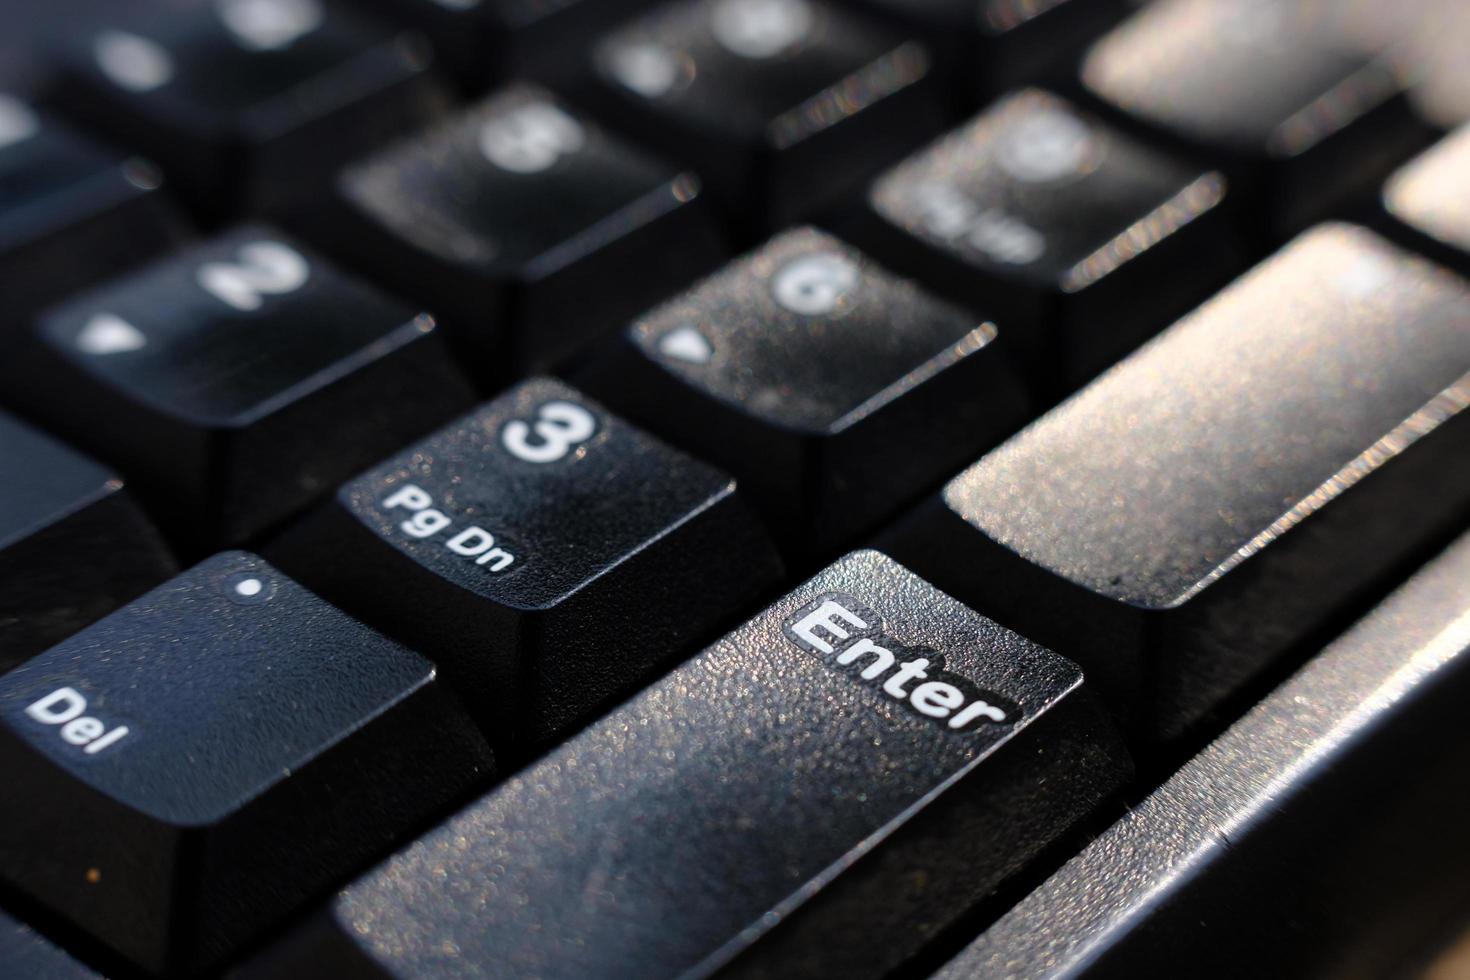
(73, 545)
(833, 390)
(71, 211)
(1428, 201)
(996, 44)
(237, 380)
(781, 106)
(480, 40)
(545, 553)
(1252, 476)
(814, 795)
(191, 768)
(1320, 836)
(1298, 115)
(526, 226)
(27, 955)
(246, 104)
(1082, 239)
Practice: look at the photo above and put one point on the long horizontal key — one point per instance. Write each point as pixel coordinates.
(832, 389)
(814, 795)
(1241, 483)
(781, 106)
(189, 769)
(246, 104)
(1081, 239)
(1322, 835)
(26, 955)
(236, 381)
(545, 553)
(1429, 201)
(527, 227)
(1265, 89)
(73, 546)
(71, 211)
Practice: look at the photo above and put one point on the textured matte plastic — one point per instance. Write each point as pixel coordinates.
(1262, 468)
(764, 810)
(1320, 836)
(230, 746)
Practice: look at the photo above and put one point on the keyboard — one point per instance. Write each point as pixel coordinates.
(734, 488)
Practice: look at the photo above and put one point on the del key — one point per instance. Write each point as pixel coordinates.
(813, 796)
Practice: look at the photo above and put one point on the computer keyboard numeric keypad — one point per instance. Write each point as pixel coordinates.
(548, 555)
(235, 381)
(246, 104)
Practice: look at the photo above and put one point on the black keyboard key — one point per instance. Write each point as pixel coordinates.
(1428, 201)
(246, 104)
(73, 546)
(813, 796)
(189, 769)
(833, 390)
(1322, 835)
(782, 106)
(996, 44)
(546, 554)
(479, 40)
(26, 955)
(1081, 239)
(71, 211)
(236, 381)
(1253, 475)
(1297, 116)
(524, 225)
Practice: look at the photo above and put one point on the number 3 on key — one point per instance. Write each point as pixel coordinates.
(558, 429)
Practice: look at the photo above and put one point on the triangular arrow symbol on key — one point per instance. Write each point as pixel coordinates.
(686, 344)
(107, 333)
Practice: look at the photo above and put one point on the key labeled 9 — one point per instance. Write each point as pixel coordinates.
(531, 139)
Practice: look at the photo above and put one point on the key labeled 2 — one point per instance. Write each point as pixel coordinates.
(544, 552)
(237, 380)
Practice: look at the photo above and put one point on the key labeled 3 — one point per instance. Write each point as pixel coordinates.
(512, 545)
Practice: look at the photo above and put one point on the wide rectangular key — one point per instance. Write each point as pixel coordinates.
(1321, 836)
(1297, 114)
(1081, 239)
(780, 106)
(71, 210)
(527, 227)
(236, 381)
(813, 796)
(246, 104)
(185, 772)
(1217, 499)
(547, 554)
(835, 391)
(73, 544)
(1427, 201)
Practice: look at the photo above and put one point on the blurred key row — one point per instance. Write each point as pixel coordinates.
(1201, 516)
